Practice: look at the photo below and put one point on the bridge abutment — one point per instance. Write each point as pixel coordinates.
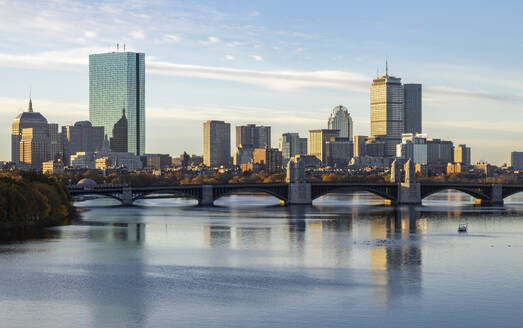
(207, 196)
(127, 196)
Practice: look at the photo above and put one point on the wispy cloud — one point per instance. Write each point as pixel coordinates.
(230, 57)
(211, 40)
(256, 58)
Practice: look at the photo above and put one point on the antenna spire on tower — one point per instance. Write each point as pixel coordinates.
(387, 67)
(30, 108)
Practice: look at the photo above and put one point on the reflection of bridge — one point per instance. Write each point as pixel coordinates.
(304, 193)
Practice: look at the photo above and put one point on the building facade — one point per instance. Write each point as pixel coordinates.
(291, 145)
(318, 140)
(117, 80)
(82, 137)
(359, 145)
(414, 147)
(267, 159)
(252, 135)
(462, 155)
(386, 111)
(340, 120)
(34, 147)
(27, 119)
(339, 152)
(440, 151)
(516, 160)
(216, 143)
(412, 108)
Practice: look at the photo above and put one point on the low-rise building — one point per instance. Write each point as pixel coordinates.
(53, 167)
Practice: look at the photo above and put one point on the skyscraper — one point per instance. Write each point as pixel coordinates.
(82, 137)
(216, 143)
(412, 108)
(34, 147)
(516, 160)
(254, 136)
(117, 80)
(28, 119)
(119, 142)
(462, 155)
(291, 145)
(318, 140)
(386, 111)
(340, 120)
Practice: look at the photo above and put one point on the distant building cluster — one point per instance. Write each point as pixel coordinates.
(114, 136)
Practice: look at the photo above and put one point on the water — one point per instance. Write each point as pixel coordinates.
(347, 261)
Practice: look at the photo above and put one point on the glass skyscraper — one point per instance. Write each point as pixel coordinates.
(117, 82)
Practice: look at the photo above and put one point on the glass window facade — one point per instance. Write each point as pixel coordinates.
(117, 81)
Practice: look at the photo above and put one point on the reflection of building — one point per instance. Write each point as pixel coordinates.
(340, 120)
(119, 140)
(216, 143)
(318, 140)
(291, 145)
(117, 79)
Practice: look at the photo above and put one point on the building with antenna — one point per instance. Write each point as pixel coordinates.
(25, 121)
(116, 80)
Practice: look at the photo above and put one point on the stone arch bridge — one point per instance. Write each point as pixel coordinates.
(303, 193)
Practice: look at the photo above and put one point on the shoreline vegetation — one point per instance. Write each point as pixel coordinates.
(30, 200)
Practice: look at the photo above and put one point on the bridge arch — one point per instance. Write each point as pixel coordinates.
(102, 195)
(386, 194)
(165, 192)
(426, 192)
(507, 192)
(233, 191)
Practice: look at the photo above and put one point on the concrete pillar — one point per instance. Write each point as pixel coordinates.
(409, 193)
(127, 196)
(496, 196)
(299, 193)
(207, 196)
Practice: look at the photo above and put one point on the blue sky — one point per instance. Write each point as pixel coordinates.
(279, 63)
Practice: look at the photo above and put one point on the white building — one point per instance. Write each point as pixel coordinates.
(340, 120)
(413, 146)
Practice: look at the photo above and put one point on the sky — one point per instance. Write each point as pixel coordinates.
(286, 64)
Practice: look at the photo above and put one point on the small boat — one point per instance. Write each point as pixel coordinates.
(462, 228)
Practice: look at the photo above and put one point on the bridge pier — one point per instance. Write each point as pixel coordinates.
(496, 196)
(299, 194)
(127, 196)
(207, 196)
(409, 194)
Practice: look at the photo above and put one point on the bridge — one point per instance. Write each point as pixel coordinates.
(305, 193)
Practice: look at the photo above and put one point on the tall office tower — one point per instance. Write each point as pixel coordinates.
(291, 145)
(462, 154)
(55, 142)
(440, 151)
(216, 143)
(386, 111)
(28, 119)
(117, 79)
(119, 140)
(414, 147)
(318, 140)
(34, 147)
(252, 135)
(82, 137)
(340, 120)
(359, 145)
(412, 108)
(516, 160)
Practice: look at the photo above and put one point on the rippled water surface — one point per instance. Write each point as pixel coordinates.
(348, 260)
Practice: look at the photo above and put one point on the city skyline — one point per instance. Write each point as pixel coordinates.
(236, 74)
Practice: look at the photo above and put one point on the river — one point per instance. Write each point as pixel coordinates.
(349, 260)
